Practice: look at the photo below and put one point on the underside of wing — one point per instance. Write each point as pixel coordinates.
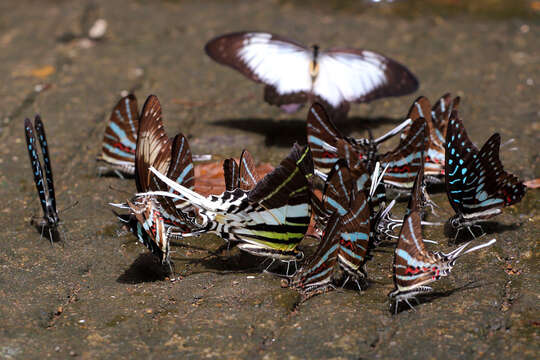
(405, 160)
(230, 172)
(120, 139)
(263, 57)
(354, 235)
(499, 183)
(322, 136)
(413, 265)
(350, 75)
(42, 138)
(37, 171)
(248, 174)
(153, 145)
(440, 114)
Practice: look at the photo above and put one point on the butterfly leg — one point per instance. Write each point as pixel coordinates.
(358, 284)
(408, 303)
(345, 282)
(482, 233)
(119, 174)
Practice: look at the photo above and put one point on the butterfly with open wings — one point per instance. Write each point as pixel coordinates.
(295, 74)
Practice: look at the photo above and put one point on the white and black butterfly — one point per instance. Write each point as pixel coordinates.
(295, 74)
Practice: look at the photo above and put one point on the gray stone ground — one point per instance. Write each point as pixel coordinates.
(103, 296)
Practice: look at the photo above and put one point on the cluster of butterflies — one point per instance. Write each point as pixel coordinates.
(333, 189)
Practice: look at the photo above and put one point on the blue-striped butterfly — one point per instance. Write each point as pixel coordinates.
(295, 74)
(414, 266)
(323, 135)
(44, 183)
(120, 138)
(440, 114)
(476, 184)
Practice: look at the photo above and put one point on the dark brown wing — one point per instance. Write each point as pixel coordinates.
(248, 174)
(153, 145)
(230, 172)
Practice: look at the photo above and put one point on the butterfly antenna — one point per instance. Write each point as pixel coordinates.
(393, 132)
(69, 207)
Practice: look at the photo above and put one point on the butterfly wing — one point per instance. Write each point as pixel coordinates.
(36, 164)
(440, 114)
(230, 172)
(318, 269)
(40, 130)
(153, 145)
(405, 160)
(280, 63)
(414, 266)
(354, 236)
(120, 138)
(248, 174)
(322, 136)
(338, 190)
(351, 75)
(151, 222)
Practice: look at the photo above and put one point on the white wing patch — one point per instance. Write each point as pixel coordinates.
(280, 64)
(347, 77)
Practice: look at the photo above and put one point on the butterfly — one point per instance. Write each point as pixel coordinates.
(149, 227)
(44, 184)
(270, 220)
(120, 138)
(323, 136)
(295, 74)
(476, 184)
(244, 176)
(345, 240)
(414, 266)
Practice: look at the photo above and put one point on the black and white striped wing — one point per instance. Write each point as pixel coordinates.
(350, 75)
(267, 58)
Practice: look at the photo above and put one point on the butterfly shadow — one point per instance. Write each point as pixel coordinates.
(284, 132)
(145, 268)
(430, 297)
(488, 228)
(219, 261)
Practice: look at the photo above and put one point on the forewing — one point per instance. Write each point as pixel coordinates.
(318, 270)
(322, 136)
(248, 174)
(40, 130)
(338, 190)
(120, 138)
(405, 160)
(263, 57)
(230, 172)
(354, 235)
(36, 165)
(153, 145)
(350, 75)
(413, 265)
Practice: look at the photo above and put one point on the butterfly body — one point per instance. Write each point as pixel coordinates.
(43, 177)
(295, 74)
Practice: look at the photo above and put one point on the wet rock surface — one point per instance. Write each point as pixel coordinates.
(99, 294)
